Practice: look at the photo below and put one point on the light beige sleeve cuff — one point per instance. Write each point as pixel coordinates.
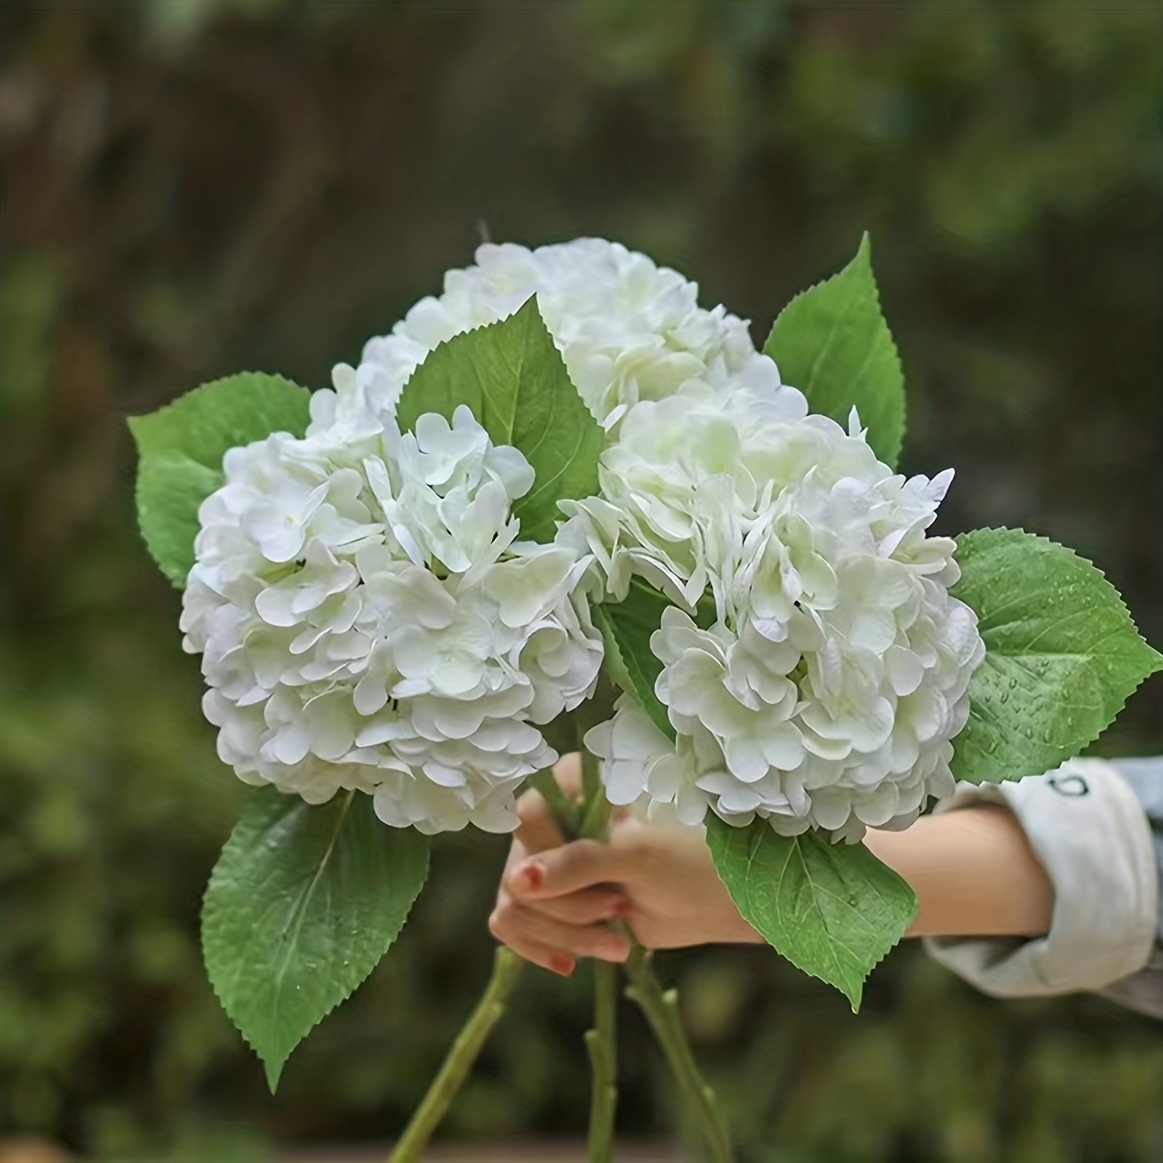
(1090, 833)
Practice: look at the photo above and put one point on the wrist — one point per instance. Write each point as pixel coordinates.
(974, 874)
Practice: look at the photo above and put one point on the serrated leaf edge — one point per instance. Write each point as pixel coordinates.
(863, 251)
(856, 999)
(272, 1067)
(1051, 543)
(142, 420)
(1155, 656)
(540, 486)
(138, 429)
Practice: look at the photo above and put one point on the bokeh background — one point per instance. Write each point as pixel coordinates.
(193, 187)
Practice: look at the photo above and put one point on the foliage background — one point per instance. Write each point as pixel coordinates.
(193, 187)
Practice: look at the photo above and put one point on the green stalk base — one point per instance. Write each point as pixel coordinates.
(507, 967)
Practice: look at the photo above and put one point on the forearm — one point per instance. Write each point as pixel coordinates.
(974, 874)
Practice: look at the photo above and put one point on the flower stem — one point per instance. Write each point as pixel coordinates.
(600, 1042)
(473, 1034)
(595, 808)
(660, 1008)
(563, 809)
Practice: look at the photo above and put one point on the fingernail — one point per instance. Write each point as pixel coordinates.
(559, 963)
(531, 876)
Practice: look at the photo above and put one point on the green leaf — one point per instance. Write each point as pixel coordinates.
(626, 628)
(832, 343)
(181, 447)
(1062, 655)
(833, 910)
(514, 381)
(302, 904)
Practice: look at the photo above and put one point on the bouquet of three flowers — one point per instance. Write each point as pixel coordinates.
(563, 506)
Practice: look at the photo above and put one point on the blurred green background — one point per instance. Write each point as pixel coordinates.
(194, 187)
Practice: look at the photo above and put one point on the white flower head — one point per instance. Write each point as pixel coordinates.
(368, 619)
(815, 667)
(627, 329)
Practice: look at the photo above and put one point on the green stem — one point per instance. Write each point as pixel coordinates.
(595, 808)
(563, 809)
(660, 1008)
(591, 773)
(601, 1040)
(601, 1043)
(473, 1034)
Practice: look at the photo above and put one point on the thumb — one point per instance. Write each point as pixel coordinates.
(578, 865)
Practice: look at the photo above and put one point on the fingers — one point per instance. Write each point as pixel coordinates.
(555, 897)
(537, 830)
(551, 943)
(591, 906)
(566, 869)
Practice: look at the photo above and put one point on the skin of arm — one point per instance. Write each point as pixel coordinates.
(973, 871)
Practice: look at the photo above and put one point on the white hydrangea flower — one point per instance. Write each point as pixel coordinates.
(820, 680)
(627, 329)
(368, 619)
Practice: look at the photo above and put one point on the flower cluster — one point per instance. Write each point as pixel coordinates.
(627, 329)
(814, 666)
(368, 619)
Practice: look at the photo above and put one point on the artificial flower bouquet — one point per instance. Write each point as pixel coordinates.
(563, 507)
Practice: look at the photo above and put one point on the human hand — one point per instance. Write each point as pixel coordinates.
(558, 902)
(973, 870)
